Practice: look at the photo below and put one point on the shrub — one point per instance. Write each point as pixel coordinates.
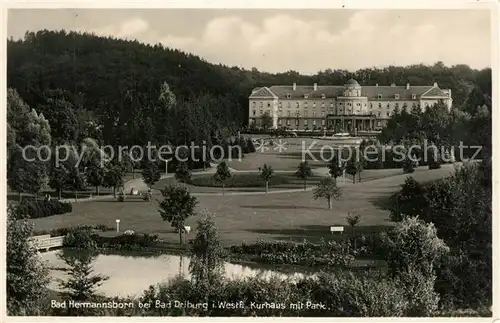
(128, 241)
(42, 208)
(80, 237)
(148, 196)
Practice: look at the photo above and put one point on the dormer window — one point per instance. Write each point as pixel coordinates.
(288, 96)
(379, 96)
(323, 96)
(305, 96)
(413, 96)
(396, 96)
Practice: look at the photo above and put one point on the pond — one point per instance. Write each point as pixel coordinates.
(131, 275)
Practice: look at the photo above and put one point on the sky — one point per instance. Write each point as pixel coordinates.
(280, 40)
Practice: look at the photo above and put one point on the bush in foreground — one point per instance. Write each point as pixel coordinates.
(42, 208)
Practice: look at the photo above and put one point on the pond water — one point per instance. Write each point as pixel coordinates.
(131, 275)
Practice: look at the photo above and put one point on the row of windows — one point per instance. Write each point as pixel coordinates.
(280, 105)
(297, 113)
(288, 122)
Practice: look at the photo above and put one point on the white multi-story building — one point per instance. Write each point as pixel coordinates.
(348, 108)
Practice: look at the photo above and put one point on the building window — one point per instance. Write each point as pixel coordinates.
(261, 104)
(397, 105)
(413, 105)
(379, 96)
(253, 104)
(358, 104)
(314, 122)
(288, 96)
(297, 123)
(322, 114)
(388, 105)
(268, 105)
(280, 113)
(380, 105)
(323, 122)
(413, 96)
(379, 123)
(305, 104)
(331, 105)
(371, 105)
(323, 96)
(305, 96)
(349, 104)
(305, 122)
(314, 104)
(289, 113)
(388, 113)
(341, 104)
(379, 114)
(261, 112)
(288, 122)
(268, 111)
(297, 104)
(254, 112)
(396, 96)
(314, 113)
(323, 104)
(305, 113)
(281, 104)
(280, 122)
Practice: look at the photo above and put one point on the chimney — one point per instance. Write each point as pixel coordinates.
(407, 86)
(294, 86)
(315, 86)
(435, 84)
(393, 84)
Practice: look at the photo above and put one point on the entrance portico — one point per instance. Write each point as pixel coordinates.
(350, 123)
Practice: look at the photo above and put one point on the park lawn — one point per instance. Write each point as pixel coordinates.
(246, 218)
(283, 180)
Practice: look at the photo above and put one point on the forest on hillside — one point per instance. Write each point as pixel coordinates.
(117, 83)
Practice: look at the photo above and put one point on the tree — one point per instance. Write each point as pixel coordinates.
(151, 174)
(222, 174)
(58, 179)
(336, 167)
(408, 165)
(177, 206)
(266, 172)
(353, 219)
(352, 169)
(413, 251)
(95, 176)
(266, 120)
(60, 113)
(25, 176)
(182, 173)
(327, 189)
(27, 277)
(76, 180)
(303, 172)
(207, 254)
(82, 282)
(113, 177)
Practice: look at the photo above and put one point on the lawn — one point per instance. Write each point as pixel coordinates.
(283, 180)
(284, 216)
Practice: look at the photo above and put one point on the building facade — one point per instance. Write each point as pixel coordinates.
(346, 108)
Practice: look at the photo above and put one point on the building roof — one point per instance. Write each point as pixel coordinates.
(352, 82)
(262, 92)
(333, 91)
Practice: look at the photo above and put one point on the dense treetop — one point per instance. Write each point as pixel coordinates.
(115, 82)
